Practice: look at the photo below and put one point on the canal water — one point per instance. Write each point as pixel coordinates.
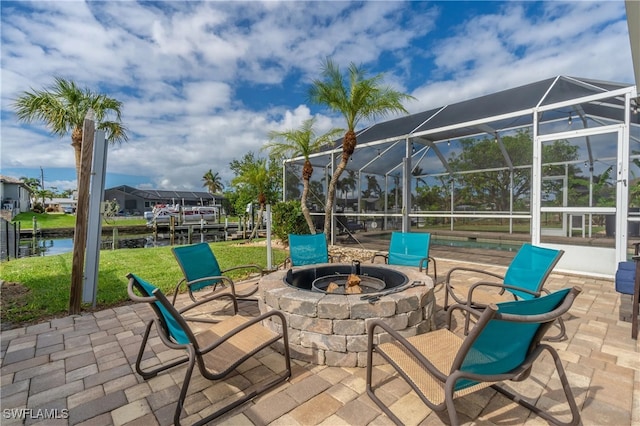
(54, 246)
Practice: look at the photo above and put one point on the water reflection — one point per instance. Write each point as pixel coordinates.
(53, 246)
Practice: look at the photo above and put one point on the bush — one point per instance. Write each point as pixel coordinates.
(287, 219)
(37, 208)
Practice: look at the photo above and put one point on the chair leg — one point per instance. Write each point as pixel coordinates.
(562, 335)
(575, 413)
(277, 380)
(448, 401)
(185, 386)
(371, 393)
(147, 374)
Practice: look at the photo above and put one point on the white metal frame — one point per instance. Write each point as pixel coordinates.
(622, 198)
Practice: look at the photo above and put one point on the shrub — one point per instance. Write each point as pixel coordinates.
(287, 219)
(37, 208)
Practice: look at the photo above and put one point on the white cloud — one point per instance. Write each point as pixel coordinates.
(191, 74)
(495, 52)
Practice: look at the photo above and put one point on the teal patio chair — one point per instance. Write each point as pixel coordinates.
(200, 270)
(524, 279)
(503, 346)
(409, 249)
(307, 249)
(217, 350)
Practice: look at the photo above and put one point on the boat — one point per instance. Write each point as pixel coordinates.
(162, 213)
(198, 213)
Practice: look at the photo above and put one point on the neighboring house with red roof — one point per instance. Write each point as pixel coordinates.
(15, 197)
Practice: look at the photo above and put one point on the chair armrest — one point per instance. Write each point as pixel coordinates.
(478, 271)
(401, 340)
(248, 266)
(207, 300)
(228, 281)
(501, 286)
(425, 260)
(177, 290)
(461, 307)
(380, 254)
(449, 287)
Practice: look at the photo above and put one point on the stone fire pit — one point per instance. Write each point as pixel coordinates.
(330, 329)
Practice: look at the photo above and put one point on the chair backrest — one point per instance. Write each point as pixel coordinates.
(514, 331)
(530, 268)
(166, 313)
(308, 249)
(198, 261)
(408, 248)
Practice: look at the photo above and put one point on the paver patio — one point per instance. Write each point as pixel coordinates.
(83, 367)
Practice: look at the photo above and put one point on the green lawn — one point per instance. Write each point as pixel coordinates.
(48, 278)
(61, 220)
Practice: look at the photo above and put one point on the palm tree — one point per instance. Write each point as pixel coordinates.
(213, 182)
(359, 98)
(417, 173)
(348, 184)
(255, 178)
(296, 142)
(373, 187)
(63, 108)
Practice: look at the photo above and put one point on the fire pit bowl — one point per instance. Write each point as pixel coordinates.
(374, 278)
(330, 329)
(366, 284)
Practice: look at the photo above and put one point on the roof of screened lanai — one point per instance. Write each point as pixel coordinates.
(382, 146)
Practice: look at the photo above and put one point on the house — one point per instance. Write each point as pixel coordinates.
(62, 205)
(136, 201)
(15, 196)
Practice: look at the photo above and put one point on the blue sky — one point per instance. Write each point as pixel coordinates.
(203, 83)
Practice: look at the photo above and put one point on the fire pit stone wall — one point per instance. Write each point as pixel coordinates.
(330, 329)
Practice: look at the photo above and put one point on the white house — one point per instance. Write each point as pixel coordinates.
(15, 196)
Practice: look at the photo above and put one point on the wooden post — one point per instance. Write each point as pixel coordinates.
(172, 230)
(155, 230)
(82, 211)
(114, 239)
(34, 237)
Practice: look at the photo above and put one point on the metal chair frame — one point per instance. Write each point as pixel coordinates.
(421, 262)
(524, 288)
(449, 378)
(206, 256)
(169, 319)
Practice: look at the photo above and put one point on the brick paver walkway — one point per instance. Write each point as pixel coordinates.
(81, 367)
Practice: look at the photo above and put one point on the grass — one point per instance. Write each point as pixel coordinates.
(61, 220)
(48, 278)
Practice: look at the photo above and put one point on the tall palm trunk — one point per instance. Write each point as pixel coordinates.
(348, 146)
(262, 200)
(307, 171)
(76, 143)
(305, 209)
(258, 224)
